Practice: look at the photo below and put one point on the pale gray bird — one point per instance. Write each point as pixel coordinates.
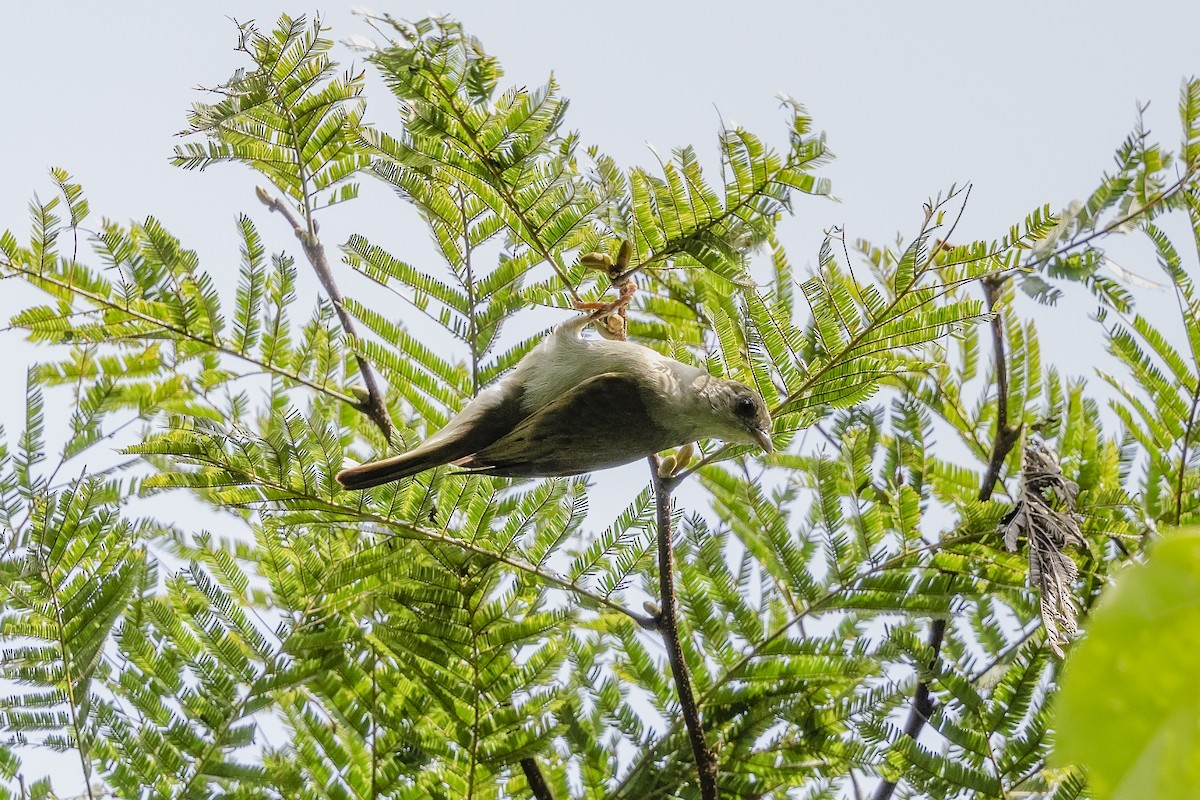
(574, 405)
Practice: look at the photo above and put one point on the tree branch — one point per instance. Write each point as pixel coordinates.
(706, 762)
(73, 702)
(537, 782)
(1036, 260)
(1007, 436)
(373, 406)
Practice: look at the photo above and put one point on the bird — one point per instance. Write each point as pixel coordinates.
(575, 404)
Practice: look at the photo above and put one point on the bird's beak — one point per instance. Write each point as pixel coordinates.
(764, 440)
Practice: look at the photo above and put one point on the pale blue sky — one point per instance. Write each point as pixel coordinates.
(1026, 100)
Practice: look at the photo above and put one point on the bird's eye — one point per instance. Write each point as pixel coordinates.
(745, 406)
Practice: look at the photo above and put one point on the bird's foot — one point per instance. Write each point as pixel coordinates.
(608, 308)
(609, 317)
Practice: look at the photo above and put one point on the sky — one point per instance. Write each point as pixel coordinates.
(1025, 100)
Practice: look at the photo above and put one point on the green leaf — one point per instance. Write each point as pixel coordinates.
(1128, 707)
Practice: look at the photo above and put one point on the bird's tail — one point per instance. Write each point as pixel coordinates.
(374, 473)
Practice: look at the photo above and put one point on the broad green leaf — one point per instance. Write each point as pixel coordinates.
(1129, 706)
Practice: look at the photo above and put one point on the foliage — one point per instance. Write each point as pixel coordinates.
(470, 637)
(1139, 741)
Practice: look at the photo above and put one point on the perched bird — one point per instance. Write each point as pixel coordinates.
(574, 405)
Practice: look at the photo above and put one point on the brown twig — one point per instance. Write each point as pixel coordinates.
(1036, 260)
(535, 779)
(1007, 436)
(373, 406)
(706, 761)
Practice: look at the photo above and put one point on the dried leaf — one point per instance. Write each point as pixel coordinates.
(1045, 516)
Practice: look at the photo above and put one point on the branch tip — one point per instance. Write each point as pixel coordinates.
(374, 406)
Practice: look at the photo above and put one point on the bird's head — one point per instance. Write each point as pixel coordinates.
(740, 415)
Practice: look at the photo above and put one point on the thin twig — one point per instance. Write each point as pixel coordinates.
(374, 709)
(1007, 436)
(813, 377)
(505, 190)
(103, 301)
(826, 602)
(1036, 260)
(1186, 443)
(714, 222)
(535, 779)
(374, 406)
(74, 703)
(706, 762)
(400, 529)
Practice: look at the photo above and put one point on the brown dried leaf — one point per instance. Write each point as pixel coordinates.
(1045, 516)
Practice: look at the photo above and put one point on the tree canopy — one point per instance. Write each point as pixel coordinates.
(882, 605)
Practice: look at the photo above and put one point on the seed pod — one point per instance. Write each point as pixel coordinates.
(600, 261)
(625, 255)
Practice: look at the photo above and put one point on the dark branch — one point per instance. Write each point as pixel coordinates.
(1007, 436)
(922, 706)
(537, 781)
(706, 762)
(373, 406)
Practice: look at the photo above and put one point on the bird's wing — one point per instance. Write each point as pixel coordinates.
(600, 423)
(483, 421)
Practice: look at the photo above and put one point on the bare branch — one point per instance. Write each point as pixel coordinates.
(373, 406)
(1007, 436)
(537, 781)
(706, 762)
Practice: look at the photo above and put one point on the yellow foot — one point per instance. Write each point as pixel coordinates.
(609, 317)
